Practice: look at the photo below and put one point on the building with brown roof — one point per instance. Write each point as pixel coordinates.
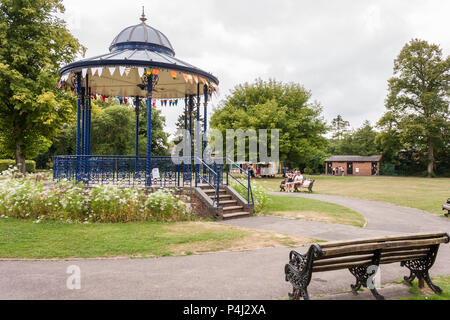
(353, 165)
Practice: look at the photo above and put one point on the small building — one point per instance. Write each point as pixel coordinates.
(353, 165)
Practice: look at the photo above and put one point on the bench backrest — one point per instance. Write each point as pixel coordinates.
(350, 254)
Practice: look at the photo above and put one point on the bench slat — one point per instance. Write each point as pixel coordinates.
(384, 245)
(404, 252)
(341, 266)
(326, 262)
(402, 258)
(377, 240)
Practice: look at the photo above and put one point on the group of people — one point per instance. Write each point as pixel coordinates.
(293, 179)
(338, 171)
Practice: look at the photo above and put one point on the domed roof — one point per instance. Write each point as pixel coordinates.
(142, 36)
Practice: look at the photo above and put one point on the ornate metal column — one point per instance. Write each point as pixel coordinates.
(148, 165)
(89, 124)
(79, 102)
(205, 120)
(198, 144)
(137, 110)
(86, 130)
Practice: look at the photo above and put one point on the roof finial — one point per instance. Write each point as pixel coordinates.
(143, 18)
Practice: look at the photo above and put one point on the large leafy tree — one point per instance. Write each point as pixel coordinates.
(275, 105)
(339, 128)
(34, 43)
(360, 142)
(417, 106)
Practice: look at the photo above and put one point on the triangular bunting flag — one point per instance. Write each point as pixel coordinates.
(121, 70)
(112, 70)
(93, 71)
(99, 71)
(141, 72)
(127, 71)
(83, 72)
(196, 79)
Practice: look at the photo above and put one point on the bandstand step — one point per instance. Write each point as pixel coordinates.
(232, 208)
(227, 202)
(236, 215)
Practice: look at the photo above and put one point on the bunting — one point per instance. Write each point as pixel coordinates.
(141, 72)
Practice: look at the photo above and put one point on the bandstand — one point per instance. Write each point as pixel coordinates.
(140, 66)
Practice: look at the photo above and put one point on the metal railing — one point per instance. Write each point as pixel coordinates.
(206, 176)
(123, 170)
(246, 173)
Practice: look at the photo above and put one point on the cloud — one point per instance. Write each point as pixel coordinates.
(342, 51)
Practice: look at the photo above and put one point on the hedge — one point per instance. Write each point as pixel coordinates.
(6, 163)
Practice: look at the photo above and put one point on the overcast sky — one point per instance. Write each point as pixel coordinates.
(342, 51)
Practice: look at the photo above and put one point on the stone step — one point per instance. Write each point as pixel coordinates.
(222, 197)
(231, 208)
(236, 215)
(209, 191)
(227, 202)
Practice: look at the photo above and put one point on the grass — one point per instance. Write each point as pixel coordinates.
(308, 209)
(442, 281)
(25, 239)
(421, 193)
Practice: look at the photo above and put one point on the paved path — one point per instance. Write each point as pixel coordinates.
(256, 274)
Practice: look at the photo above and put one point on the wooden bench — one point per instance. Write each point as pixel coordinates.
(446, 206)
(307, 184)
(362, 258)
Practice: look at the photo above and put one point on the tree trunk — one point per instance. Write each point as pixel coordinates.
(20, 159)
(430, 157)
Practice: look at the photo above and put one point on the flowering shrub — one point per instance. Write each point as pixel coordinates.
(260, 196)
(71, 202)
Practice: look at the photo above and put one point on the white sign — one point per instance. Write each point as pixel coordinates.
(155, 173)
(357, 170)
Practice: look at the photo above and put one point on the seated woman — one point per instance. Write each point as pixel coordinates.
(289, 185)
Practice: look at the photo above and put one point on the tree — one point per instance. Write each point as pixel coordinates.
(339, 127)
(34, 43)
(275, 105)
(361, 142)
(418, 100)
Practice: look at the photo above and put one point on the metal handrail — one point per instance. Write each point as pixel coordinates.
(216, 187)
(249, 186)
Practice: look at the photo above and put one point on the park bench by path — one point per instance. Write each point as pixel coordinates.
(307, 185)
(446, 206)
(362, 258)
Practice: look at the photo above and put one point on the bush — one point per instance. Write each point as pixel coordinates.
(30, 165)
(71, 202)
(260, 196)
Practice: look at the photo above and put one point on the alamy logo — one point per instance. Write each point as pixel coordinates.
(74, 280)
(244, 146)
(374, 280)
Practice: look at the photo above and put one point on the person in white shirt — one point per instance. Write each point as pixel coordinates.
(298, 180)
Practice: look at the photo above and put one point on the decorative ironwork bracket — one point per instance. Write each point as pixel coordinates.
(420, 269)
(298, 271)
(364, 276)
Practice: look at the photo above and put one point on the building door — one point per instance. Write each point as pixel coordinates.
(330, 168)
(349, 167)
(374, 168)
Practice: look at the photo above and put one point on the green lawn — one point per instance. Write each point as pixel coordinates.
(25, 239)
(442, 281)
(302, 208)
(421, 193)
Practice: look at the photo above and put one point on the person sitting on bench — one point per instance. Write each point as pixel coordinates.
(289, 185)
(298, 180)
